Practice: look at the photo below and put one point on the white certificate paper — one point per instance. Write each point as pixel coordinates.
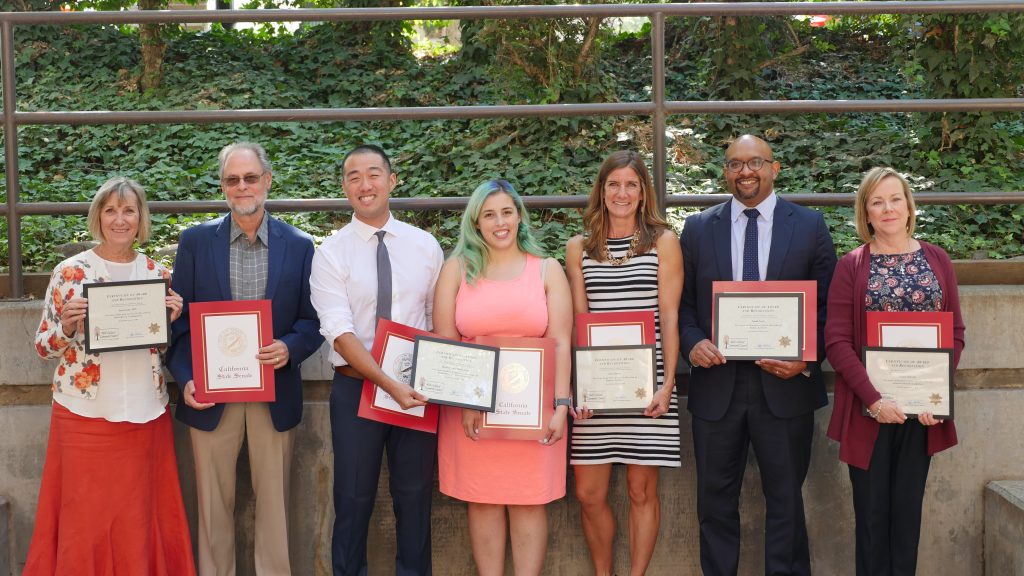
(397, 363)
(455, 373)
(917, 380)
(126, 315)
(232, 341)
(910, 336)
(753, 326)
(518, 396)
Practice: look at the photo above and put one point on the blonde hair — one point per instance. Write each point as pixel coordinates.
(868, 185)
(119, 186)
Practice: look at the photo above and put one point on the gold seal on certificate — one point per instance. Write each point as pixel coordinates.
(126, 315)
(759, 325)
(916, 379)
(226, 336)
(615, 378)
(455, 373)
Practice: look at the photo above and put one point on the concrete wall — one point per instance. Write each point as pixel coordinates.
(1004, 528)
(989, 401)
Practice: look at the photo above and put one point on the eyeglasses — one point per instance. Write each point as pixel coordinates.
(232, 181)
(754, 164)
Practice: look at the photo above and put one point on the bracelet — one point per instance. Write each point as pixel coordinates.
(874, 415)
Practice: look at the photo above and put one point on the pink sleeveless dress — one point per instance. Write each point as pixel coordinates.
(518, 472)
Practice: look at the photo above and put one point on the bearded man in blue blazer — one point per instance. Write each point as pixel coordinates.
(768, 404)
(245, 255)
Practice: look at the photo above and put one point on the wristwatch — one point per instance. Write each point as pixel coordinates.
(563, 402)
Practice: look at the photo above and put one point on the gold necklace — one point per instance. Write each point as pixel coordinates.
(630, 252)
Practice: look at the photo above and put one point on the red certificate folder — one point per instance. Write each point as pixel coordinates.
(600, 328)
(910, 329)
(809, 288)
(525, 394)
(392, 349)
(226, 336)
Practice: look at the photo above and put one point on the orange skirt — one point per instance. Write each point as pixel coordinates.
(110, 502)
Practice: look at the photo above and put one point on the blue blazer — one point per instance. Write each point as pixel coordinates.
(801, 249)
(201, 274)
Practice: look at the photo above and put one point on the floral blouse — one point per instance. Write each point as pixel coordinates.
(78, 373)
(902, 283)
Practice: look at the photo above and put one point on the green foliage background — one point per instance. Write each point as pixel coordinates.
(353, 65)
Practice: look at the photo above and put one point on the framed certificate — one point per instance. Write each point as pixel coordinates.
(226, 336)
(126, 315)
(615, 378)
(615, 328)
(910, 329)
(393, 347)
(525, 395)
(763, 330)
(455, 373)
(916, 379)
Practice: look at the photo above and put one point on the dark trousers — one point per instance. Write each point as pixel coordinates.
(887, 500)
(782, 447)
(358, 447)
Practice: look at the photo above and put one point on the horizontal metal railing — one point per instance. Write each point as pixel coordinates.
(658, 108)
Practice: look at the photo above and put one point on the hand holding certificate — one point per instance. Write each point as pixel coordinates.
(393, 348)
(126, 315)
(455, 373)
(226, 338)
(909, 360)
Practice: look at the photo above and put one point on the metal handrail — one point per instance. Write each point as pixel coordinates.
(658, 108)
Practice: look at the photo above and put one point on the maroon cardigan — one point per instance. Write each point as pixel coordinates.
(845, 336)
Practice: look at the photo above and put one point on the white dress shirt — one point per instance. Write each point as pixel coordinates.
(125, 393)
(343, 282)
(764, 235)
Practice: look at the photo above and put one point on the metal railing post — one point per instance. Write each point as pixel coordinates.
(658, 94)
(11, 160)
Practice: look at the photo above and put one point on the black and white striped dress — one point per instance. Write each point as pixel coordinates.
(626, 438)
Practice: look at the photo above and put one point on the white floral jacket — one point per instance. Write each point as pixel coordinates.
(78, 373)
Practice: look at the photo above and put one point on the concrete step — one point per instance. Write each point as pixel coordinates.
(1004, 528)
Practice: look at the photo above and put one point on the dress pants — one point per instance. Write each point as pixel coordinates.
(358, 448)
(270, 459)
(782, 447)
(887, 500)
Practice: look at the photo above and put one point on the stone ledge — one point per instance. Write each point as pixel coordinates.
(1004, 528)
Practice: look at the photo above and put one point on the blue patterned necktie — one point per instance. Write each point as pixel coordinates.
(750, 267)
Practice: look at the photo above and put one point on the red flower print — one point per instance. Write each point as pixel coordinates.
(53, 342)
(917, 296)
(925, 280)
(40, 350)
(150, 265)
(87, 377)
(60, 370)
(43, 326)
(875, 284)
(890, 282)
(70, 355)
(58, 301)
(73, 274)
(911, 269)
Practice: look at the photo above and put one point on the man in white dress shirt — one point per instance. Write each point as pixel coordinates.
(349, 294)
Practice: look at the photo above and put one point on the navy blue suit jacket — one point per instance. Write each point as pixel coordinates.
(801, 249)
(201, 274)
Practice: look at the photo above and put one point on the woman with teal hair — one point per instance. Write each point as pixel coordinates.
(498, 283)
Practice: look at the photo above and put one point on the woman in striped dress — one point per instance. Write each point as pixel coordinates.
(627, 259)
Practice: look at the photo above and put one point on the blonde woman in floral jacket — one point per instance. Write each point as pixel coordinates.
(110, 502)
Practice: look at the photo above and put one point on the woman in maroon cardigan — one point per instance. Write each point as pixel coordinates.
(887, 453)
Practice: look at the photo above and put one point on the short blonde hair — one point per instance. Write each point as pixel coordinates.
(119, 186)
(868, 185)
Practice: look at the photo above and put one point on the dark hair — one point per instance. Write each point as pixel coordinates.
(366, 149)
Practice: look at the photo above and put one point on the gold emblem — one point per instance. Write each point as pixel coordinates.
(154, 328)
(784, 341)
(232, 341)
(478, 392)
(936, 399)
(513, 378)
(641, 393)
